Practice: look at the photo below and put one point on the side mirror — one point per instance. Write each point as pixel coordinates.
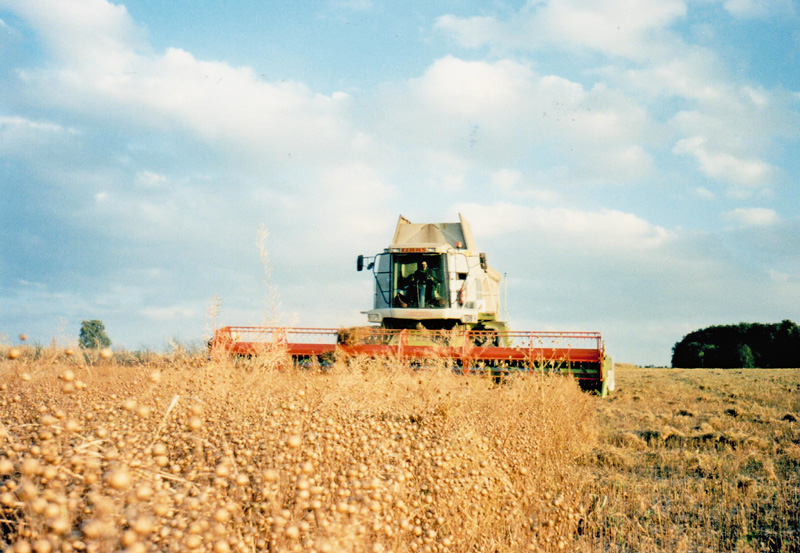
(483, 261)
(360, 263)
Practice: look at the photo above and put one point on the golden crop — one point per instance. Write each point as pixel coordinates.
(185, 453)
(196, 455)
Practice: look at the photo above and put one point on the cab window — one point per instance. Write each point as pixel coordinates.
(419, 281)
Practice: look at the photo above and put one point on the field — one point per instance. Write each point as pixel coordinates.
(185, 453)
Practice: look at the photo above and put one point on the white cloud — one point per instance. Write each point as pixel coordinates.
(746, 174)
(595, 232)
(476, 31)
(753, 216)
(24, 138)
(759, 98)
(704, 193)
(740, 121)
(149, 179)
(109, 73)
(691, 73)
(468, 88)
(84, 32)
(759, 9)
(20, 124)
(744, 118)
(498, 111)
(354, 188)
(231, 103)
(781, 277)
(506, 179)
(624, 162)
(615, 27)
(451, 181)
(513, 183)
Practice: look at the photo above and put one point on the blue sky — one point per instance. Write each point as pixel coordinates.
(632, 166)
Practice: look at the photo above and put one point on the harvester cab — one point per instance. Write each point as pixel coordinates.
(433, 276)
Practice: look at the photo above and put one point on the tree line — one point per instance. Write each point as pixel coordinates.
(745, 345)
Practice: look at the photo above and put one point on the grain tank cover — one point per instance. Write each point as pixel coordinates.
(455, 235)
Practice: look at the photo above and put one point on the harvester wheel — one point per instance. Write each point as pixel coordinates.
(610, 380)
(609, 383)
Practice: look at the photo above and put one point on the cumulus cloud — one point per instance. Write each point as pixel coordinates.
(759, 9)
(704, 193)
(781, 277)
(476, 31)
(23, 138)
(353, 195)
(465, 88)
(279, 154)
(149, 179)
(503, 110)
(695, 75)
(614, 27)
(746, 174)
(647, 61)
(753, 216)
(88, 31)
(20, 124)
(595, 232)
(743, 118)
(109, 71)
(513, 183)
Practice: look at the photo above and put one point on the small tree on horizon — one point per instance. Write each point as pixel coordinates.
(93, 335)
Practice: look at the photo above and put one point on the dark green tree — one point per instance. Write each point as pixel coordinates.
(787, 345)
(745, 357)
(746, 345)
(93, 335)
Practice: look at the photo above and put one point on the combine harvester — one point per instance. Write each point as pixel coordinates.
(435, 298)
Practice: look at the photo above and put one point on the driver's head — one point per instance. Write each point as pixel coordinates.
(424, 265)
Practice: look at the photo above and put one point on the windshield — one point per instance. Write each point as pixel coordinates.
(418, 281)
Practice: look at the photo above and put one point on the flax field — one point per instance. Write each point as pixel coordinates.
(198, 453)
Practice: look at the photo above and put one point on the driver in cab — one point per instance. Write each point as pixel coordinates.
(420, 288)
